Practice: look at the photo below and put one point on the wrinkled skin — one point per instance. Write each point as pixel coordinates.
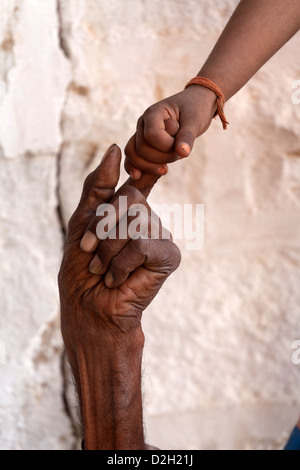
(101, 313)
(149, 263)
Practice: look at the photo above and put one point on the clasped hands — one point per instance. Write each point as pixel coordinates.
(105, 285)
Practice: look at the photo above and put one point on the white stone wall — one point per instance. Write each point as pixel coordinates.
(75, 76)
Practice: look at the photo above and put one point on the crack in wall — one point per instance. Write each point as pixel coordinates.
(62, 41)
(59, 207)
(1, 151)
(73, 416)
(7, 46)
(9, 61)
(63, 44)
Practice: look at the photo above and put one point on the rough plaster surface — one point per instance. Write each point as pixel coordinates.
(217, 365)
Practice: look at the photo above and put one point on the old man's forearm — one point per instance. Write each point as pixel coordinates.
(108, 375)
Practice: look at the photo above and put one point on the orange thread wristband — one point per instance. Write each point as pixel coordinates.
(202, 81)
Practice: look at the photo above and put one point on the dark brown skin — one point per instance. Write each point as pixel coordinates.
(254, 33)
(152, 147)
(101, 310)
(101, 325)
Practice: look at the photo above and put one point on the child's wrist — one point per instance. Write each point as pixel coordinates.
(204, 96)
(204, 82)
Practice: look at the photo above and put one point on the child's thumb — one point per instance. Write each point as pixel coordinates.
(185, 138)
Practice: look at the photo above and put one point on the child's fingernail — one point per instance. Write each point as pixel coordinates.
(135, 175)
(89, 242)
(161, 171)
(95, 266)
(186, 148)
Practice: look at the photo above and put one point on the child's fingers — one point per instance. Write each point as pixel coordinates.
(171, 126)
(135, 173)
(186, 135)
(140, 163)
(151, 153)
(137, 164)
(152, 126)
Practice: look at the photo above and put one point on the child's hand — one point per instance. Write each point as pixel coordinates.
(160, 140)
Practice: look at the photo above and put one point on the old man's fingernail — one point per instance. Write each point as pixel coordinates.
(109, 280)
(108, 152)
(95, 266)
(89, 242)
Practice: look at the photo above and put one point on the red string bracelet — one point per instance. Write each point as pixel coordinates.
(202, 81)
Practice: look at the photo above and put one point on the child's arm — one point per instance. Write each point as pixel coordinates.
(254, 33)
